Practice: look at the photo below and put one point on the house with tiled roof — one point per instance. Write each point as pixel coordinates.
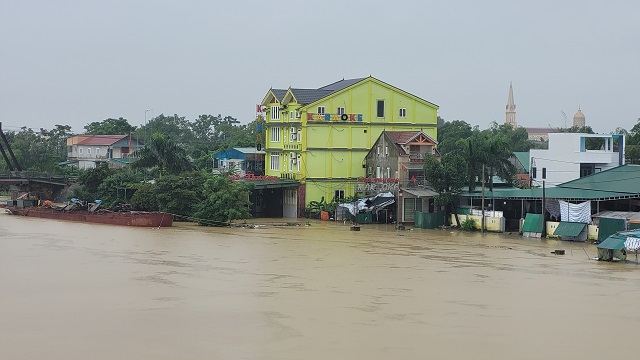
(400, 155)
(316, 139)
(87, 151)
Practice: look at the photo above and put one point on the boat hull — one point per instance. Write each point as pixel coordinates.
(131, 218)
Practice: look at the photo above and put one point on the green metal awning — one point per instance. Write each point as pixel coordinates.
(533, 223)
(566, 228)
(613, 242)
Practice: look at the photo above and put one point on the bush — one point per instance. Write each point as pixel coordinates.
(468, 225)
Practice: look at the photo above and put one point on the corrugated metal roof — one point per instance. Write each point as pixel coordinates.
(420, 192)
(566, 228)
(627, 215)
(551, 193)
(523, 158)
(621, 179)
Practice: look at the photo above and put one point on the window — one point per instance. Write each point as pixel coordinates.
(275, 162)
(378, 151)
(292, 115)
(88, 151)
(340, 110)
(80, 150)
(275, 134)
(378, 172)
(402, 112)
(298, 163)
(388, 172)
(339, 194)
(275, 113)
(299, 135)
(97, 151)
(380, 112)
(386, 151)
(293, 134)
(321, 110)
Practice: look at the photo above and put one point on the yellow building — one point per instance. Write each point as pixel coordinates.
(320, 137)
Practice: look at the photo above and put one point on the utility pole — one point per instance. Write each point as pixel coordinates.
(482, 221)
(544, 223)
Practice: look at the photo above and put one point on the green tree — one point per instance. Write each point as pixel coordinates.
(110, 126)
(224, 200)
(518, 138)
(118, 187)
(446, 177)
(164, 154)
(449, 134)
(180, 194)
(145, 198)
(91, 179)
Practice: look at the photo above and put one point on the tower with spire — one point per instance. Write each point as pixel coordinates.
(510, 114)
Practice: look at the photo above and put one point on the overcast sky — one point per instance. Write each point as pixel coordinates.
(76, 62)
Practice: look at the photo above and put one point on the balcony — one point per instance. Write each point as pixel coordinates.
(416, 157)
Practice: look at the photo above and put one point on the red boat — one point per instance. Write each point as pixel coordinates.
(100, 216)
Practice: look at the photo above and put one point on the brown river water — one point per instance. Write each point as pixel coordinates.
(80, 291)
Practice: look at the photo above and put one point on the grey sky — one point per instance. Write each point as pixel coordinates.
(76, 62)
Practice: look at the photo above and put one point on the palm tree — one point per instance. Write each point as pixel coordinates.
(164, 154)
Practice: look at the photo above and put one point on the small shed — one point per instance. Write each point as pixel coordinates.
(573, 231)
(612, 247)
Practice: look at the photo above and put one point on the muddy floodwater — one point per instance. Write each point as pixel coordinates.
(80, 291)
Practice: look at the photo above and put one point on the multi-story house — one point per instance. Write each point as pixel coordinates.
(572, 155)
(395, 164)
(87, 151)
(320, 137)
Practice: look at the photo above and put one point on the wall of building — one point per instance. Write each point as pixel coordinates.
(563, 158)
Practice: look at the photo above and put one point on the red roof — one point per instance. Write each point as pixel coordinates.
(102, 140)
(402, 137)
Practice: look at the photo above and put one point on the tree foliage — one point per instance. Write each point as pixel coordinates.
(447, 177)
(164, 154)
(110, 126)
(224, 200)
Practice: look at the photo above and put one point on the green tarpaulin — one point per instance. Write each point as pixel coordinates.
(615, 242)
(533, 223)
(608, 227)
(566, 228)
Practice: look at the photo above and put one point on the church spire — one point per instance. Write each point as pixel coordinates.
(510, 114)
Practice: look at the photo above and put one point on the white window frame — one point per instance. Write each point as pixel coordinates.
(386, 151)
(275, 134)
(80, 150)
(338, 194)
(298, 162)
(97, 151)
(292, 115)
(275, 112)
(274, 162)
(340, 110)
(88, 151)
(299, 135)
(388, 172)
(321, 110)
(402, 112)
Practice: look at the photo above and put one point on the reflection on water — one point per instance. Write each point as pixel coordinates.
(310, 292)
